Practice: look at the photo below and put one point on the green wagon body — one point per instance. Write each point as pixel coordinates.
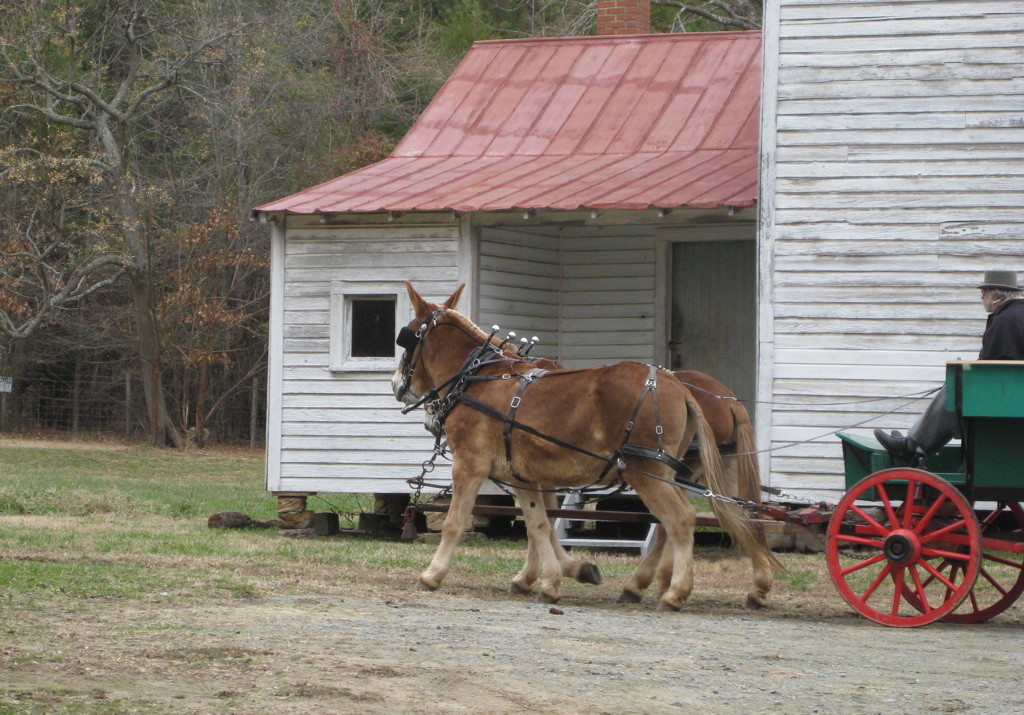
(989, 463)
(989, 397)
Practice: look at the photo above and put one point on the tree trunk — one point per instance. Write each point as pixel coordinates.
(161, 428)
(253, 411)
(76, 395)
(201, 404)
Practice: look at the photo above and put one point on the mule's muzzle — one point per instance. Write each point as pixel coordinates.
(407, 339)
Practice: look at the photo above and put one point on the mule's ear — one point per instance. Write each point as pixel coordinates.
(454, 299)
(419, 306)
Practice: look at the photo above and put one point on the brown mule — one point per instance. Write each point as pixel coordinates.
(731, 426)
(572, 428)
(732, 429)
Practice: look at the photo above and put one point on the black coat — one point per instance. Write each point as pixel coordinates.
(1004, 332)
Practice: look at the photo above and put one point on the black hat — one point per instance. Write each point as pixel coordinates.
(1006, 280)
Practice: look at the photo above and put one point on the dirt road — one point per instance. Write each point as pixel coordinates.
(381, 650)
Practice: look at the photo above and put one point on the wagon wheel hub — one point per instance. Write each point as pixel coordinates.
(902, 547)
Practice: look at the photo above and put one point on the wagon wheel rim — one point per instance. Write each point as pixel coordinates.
(1001, 574)
(892, 578)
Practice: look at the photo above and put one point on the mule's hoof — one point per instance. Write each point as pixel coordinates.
(665, 606)
(422, 585)
(519, 590)
(547, 598)
(630, 597)
(756, 602)
(589, 573)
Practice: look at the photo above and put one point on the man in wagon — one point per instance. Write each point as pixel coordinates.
(1003, 298)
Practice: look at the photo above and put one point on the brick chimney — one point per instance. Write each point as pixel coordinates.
(623, 17)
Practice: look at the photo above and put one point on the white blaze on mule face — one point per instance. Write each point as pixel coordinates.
(397, 381)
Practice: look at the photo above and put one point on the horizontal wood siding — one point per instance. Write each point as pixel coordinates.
(519, 285)
(586, 292)
(344, 431)
(608, 294)
(897, 180)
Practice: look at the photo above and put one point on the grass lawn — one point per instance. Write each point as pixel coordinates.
(109, 521)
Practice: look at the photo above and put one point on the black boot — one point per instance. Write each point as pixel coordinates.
(900, 448)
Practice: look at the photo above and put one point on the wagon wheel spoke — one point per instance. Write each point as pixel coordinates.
(937, 575)
(870, 520)
(955, 571)
(908, 503)
(920, 590)
(850, 540)
(863, 564)
(926, 518)
(991, 517)
(890, 511)
(992, 581)
(930, 578)
(953, 556)
(879, 579)
(1004, 561)
(897, 593)
(933, 574)
(954, 528)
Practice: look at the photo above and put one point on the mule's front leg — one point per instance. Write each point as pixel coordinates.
(466, 482)
(582, 571)
(539, 533)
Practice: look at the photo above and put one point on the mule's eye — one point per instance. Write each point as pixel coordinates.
(407, 339)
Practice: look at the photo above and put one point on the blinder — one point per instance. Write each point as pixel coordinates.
(408, 339)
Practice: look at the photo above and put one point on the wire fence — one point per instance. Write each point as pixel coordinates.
(112, 407)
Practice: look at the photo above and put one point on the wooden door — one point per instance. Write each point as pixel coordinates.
(714, 311)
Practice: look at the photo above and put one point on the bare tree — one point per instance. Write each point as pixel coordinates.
(107, 71)
(45, 261)
(218, 292)
(728, 14)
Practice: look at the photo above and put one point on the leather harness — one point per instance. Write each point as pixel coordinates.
(488, 354)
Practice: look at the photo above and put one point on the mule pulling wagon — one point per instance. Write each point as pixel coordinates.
(906, 545)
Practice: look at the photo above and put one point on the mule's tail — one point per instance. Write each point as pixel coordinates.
(732, 518)
(748, 474)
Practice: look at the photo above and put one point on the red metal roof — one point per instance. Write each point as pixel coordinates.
(607, 122)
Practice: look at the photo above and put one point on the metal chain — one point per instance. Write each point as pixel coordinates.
(428, 466)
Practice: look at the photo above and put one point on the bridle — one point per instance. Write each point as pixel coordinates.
(412, 340)
(409, 340)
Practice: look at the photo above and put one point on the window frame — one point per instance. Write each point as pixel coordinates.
(343, 294)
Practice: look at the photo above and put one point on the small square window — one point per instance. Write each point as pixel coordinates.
(365, 318)
(373, 327)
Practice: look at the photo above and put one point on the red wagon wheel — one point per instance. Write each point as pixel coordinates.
(882, 558)
(1001, 578)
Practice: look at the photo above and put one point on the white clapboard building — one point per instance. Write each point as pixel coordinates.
(892, 177)
(802, 212)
